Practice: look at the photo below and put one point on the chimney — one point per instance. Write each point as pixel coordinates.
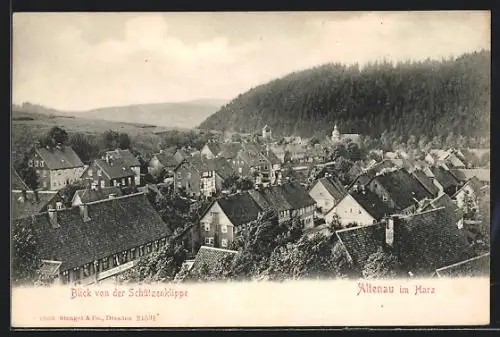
(53, 217)
(84, 212)
(389, 229)
(37, 199)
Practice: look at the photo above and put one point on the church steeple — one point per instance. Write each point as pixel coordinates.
(335, 134)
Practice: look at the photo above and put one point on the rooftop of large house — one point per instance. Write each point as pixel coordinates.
(115, 225)
(207, 258)
(444, 177)
(474, 184)
(333, 186)
(128, 158)
(403, 188)
(423, 242)
(476, 266)
(59, 157)
(284, 197)
(32, 203)
(167, 158)
(97, 193)
(426, 182)
(371, 203)
(114, 168)
(219, 165)
(239, 208)
(444, 200)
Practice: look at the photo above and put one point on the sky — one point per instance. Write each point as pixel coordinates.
(80, 61)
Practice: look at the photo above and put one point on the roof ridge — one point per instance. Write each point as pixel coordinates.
(219, 249)
(462, 262)
(116, 198)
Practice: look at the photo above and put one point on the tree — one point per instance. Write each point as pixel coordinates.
(84, 147)
(353, 152)
(381, 264)
(56, 135)
(124, 141)
(25, 259)
(28, 173)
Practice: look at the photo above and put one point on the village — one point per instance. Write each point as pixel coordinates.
(431, 213)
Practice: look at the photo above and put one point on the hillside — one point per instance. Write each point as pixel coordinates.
(410, 98)
(174, 115)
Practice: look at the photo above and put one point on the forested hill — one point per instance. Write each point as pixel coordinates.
(409, 98)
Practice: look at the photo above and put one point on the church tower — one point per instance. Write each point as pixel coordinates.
(335, 134)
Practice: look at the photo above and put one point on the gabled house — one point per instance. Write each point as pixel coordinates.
(427, 182)
(327, 192)
(359, 207)
(399, 190)
(163, 161)
(129, 160)
(224, 219)
(444, 200)
(288, 200)
(97, 240)
(95, 193)
(110, 172)
(423, 242)
(211, 150)
(25, 202)
(448, 157)
(206, 261)
(446, 179)
(471, 191)
(56, 166)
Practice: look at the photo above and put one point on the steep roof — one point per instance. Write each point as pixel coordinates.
(402, 187)
(465, 174)
(371, 203)
(115, 225)
(473, 183)
(90, 195)
(284, 197)
(333, 186)
(30, 206)
(214, 147)
(431, 240)
(166, 159)
(127, 157)
(17, 183)
(426, 182)
(221, 167)
(208, 257)
(444, 200)
(115, 169)
(361, 242)
(444, 177)
(229, 150)
(239, 208)
(476, 266)
(56, 158)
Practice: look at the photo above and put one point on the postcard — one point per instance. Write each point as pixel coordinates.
(250, 169)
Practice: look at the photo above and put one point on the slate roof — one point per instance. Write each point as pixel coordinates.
(116, 225)
(240, 208)
(30, 206)
(17, 183)
(444, 200)
(361, 242)
(371, 203)
(209, 257)
(167, 159)
(219, 165)
(127, 157)
(402, 187)
(63, 157)
(230, 150)
(444, 177)
(426, 182)
(476, 266)
(115, 169)
(431, 240)
(90, 195)
(465, 174)
(333, 186)
(284, 197)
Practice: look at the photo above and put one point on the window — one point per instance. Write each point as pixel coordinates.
(350, 210)
(207, 227)
(359, 211)
(129, 181)
(224, 243)
(30, 163)
(44, 184)
(105, 264)
(123, 181)
(36, 163)
(240, 170)
(116, 260)
(103, 184)
(89, 172)
(41, 163)
(58, 205)
(384, 198)
(223, 229)
(209, 241)
(99, 173)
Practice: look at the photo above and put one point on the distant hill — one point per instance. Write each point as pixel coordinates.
(409, 98)
(173, 115)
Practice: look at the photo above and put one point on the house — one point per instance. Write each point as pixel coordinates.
(110, 172)
(463, 175)
(95, 193)
(327, 192)
(129, 160)
(198, 176)
(97, 240)
(230, 150)
(224, 219)
(422, 242)
(478, 266)
(206, 260)
(427, 182)
(475, 158)
(211, 150)
(359, 207)
(56, 166)
(25, 202)
(470, 191)
(450, 184)
(448, 157)
(288, 200)
(444, 200)
(266, 132)
(163, 161)
(399, 190)
(337, 137)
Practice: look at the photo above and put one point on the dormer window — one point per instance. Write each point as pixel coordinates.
(59, 205)
(89, 172)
